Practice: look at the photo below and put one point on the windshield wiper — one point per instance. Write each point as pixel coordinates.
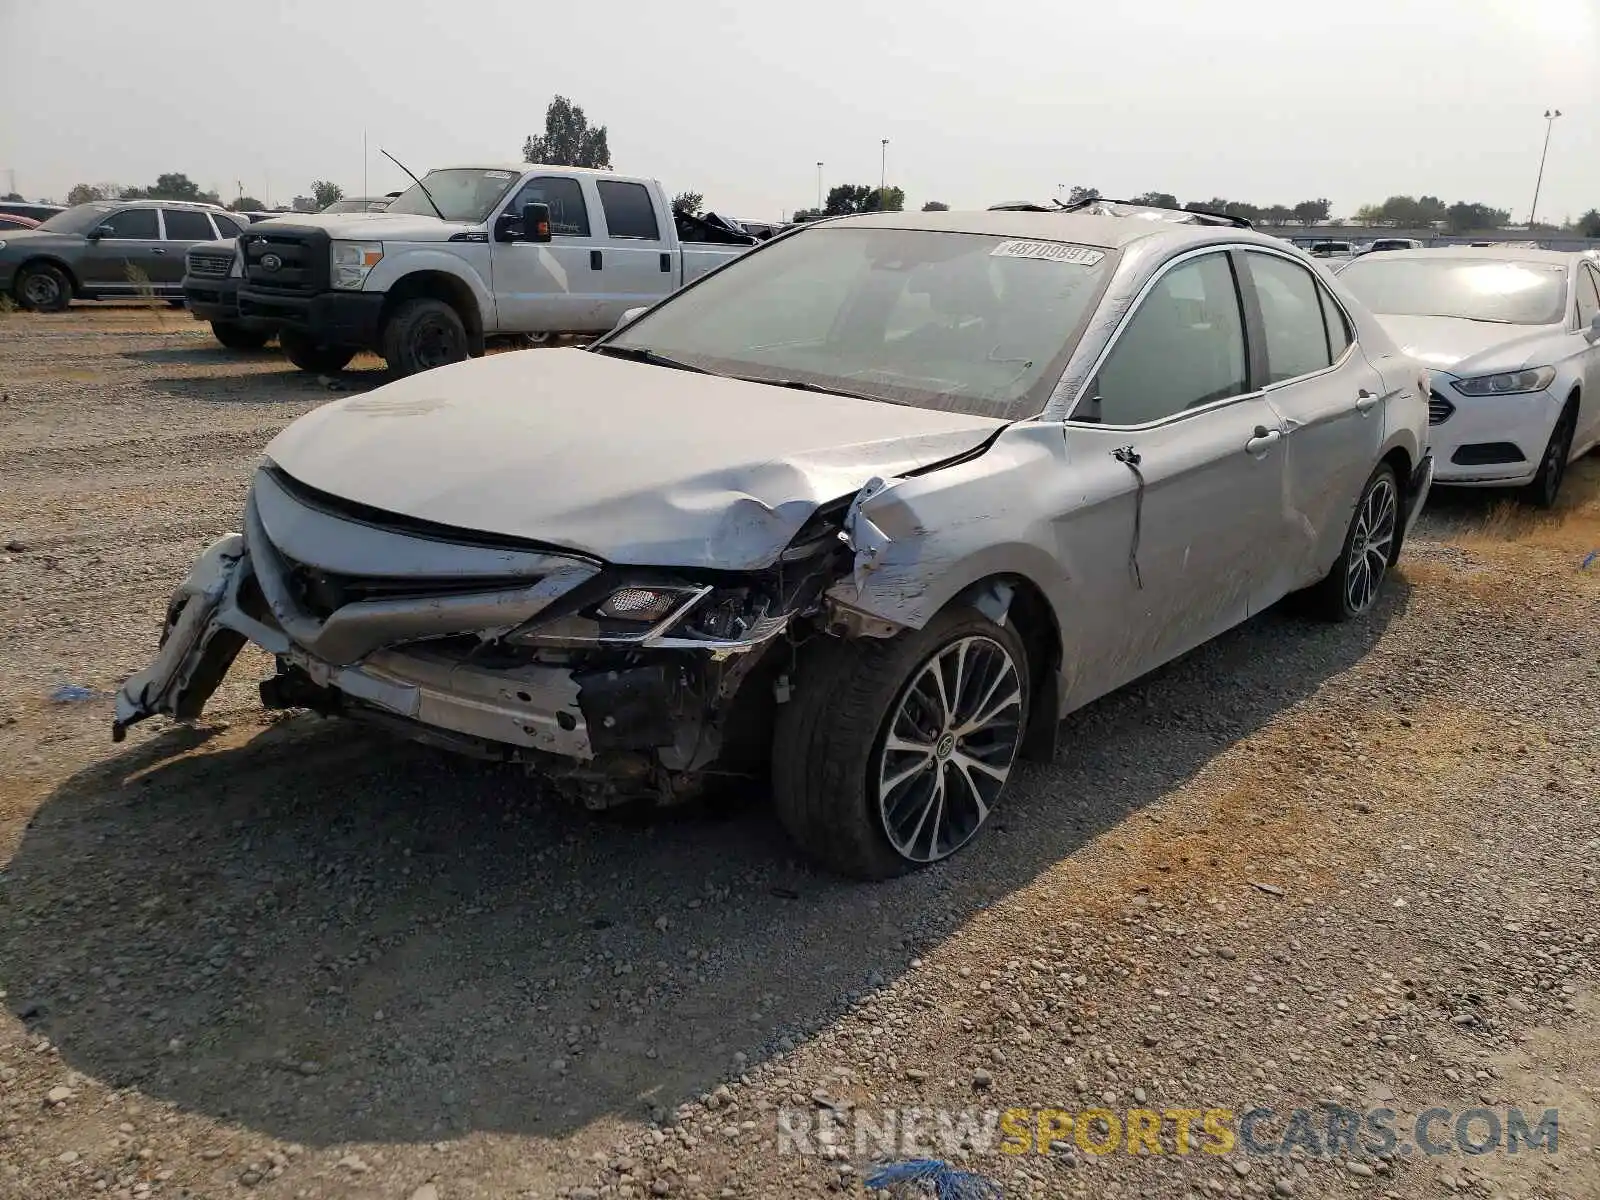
(798, 385)
(646, 355)
(418, 182)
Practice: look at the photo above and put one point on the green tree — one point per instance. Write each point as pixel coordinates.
(1369, 214)
(1079, 194)
(172, 186)
(890, 199)
(17, 196)
(1431, 210)
(568, 140)
(1157, 200)
(326, 193)
(86, 193)
(802, 215)
(1589, 223)
(303, 204)
(1277, 214)
(847, 198)
(688, 202)
(1463, 217)
(935, 206)
(1228, 208)
(247, 204)
(1310, 212)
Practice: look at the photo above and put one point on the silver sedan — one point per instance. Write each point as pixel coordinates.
(863, 513)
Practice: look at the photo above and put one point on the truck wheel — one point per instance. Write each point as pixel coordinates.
(43, 288)
(309, 356)
(237, 337)
(423, 334)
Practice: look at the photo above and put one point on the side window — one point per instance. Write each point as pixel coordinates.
(629, 213)
(1588, 295)
(569, 216)
(131, 223)
(186, 225)
(1184, 347)
(1291, 316)
(226, 226)
(1339, 335)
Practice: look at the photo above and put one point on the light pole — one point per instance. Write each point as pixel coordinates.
(819, 187)
(1550, 115)
(883, 171)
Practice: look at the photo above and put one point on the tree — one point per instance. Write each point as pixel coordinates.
(847, 198)
(247, 204)
(1156, 200)
(87, 193)
(688, 202)
(1462, 217)
(12, 196)
(1277, 214)
(304, 204)
(802, 215)
(1589, 223)
(891, 199)
(1431, 210)
(1368, 214)
(1309, 212)
(1228, 208)
(326, 193)
(1079, 194)
(935, 206)
(171, 186)
(568, 141)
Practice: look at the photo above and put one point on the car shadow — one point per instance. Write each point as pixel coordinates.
(289, 386)
(330, 936)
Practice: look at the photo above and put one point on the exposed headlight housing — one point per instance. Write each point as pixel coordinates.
(1507, 383)
(645, 605)
(353, 262)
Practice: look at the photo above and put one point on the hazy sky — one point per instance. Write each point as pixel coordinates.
(981, 101)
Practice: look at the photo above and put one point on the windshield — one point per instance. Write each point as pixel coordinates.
(467, 195)
(961, 322)
(1512, 293)
(78, 219)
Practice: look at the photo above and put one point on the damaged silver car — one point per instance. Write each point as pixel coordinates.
(864, 513)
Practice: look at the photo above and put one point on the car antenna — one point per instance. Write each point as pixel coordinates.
(419, 182)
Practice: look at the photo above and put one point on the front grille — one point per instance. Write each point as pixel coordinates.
(1439, 409)
(1486, 454)
(288, 261)
(211, 264)
(322, 593)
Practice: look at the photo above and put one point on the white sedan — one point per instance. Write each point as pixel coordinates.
(1512, 340)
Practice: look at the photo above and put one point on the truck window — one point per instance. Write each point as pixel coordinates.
(629, 213)
(569, 216)
(186, 225)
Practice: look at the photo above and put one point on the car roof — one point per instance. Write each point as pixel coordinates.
(1556, 258)
(204, 206)
(523, 167)
(1082, 229)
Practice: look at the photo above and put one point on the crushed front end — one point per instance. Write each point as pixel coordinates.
(616, 681)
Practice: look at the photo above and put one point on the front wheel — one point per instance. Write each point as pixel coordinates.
(43, 288)
(894, 753)
(423, 334)
(1353, 586)
(310, 356)
(237, 337)
(1546, 485)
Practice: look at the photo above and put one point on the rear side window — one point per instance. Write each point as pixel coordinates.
(1291, 316)
(226, 226)
(569, 215)
(1588, 295)
(186, 225)
(629, 213)
(1183, 347)
(1339, 335)
(135, 223)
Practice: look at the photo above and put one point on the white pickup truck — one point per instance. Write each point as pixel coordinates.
(469, 254)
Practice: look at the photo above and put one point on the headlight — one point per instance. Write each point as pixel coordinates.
(353, 262)
(644, 604)
(1507, 383)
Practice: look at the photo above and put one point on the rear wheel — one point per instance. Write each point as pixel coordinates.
(423, 334)
(894, 753)
(237, 337)
(1357, 578)
(1546, 485)
(41, 287)
(310, 356)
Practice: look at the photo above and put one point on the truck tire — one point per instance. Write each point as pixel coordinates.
(41, 287)
(309, 356)
(237, 337)
(422, 334)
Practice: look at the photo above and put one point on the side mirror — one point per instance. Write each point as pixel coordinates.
(1594, 326)
(98, 232)
(632, 315)
(535, 222)
(507, 227)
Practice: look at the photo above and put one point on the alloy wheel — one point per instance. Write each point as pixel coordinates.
(41, 290)
(948, 747)
(1371, 543)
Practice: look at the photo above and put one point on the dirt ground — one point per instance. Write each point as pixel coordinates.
(1304, 866)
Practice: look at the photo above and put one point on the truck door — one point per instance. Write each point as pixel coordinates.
(553, 287)
(637, 260)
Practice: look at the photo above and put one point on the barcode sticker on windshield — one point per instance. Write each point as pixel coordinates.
(1062, 252)
(497, 174)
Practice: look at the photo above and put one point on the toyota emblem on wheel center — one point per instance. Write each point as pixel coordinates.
(270, 262)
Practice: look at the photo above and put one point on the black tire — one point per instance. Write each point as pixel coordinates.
(1546, 486)
(1342, 595)
(178, 303)
(830, 746)
(309, 356)
(237, 337)
(422, 334)
(42, 287)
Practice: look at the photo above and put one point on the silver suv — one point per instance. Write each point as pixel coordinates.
(107, 250)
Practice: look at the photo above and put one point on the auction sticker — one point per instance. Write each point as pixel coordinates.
(1061, 252)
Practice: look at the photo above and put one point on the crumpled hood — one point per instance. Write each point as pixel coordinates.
(1465, 348)
(631, 463)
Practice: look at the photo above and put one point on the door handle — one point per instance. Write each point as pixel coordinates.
(1264, 439)
(157, 250)
(1365, 400)
(596, 263)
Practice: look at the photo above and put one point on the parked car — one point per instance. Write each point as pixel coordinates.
(16, 221)
(107, 250)
(34, 212)
(1383, 244)
(1333, 250)
(467, 254)
(211, 293)
(1511, 339)
(866, 511)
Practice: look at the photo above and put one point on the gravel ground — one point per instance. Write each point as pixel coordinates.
(288, 958)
